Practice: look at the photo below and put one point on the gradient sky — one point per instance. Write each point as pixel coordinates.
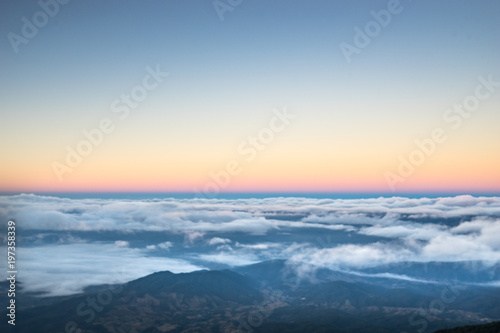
(353, 120)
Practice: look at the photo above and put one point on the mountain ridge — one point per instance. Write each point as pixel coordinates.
(229, 300)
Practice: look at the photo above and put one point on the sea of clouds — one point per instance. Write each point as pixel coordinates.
(67, 244)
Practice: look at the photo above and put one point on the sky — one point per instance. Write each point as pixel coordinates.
(228, 96)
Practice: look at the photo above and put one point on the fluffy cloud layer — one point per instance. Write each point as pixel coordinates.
(64, 269)
(332, 233)
(253, 216)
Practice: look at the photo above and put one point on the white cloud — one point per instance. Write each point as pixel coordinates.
(243, 231)
(405, 230)
(121, 243)
(459, 248)
(68, 268)
(461, 201)
(218, 240)
(164, 246)
(223, 216)
(229, 259)
(353, 256)
(259, 246)
(191, 236)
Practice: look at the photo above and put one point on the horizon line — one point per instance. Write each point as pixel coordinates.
(260, 193)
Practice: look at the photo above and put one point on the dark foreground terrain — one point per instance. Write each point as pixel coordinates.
(265, 297)
(486, 328)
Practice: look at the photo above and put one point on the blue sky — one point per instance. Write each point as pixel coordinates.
(226, 76)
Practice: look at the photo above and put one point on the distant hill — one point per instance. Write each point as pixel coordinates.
(224, 285)
(265, 297)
